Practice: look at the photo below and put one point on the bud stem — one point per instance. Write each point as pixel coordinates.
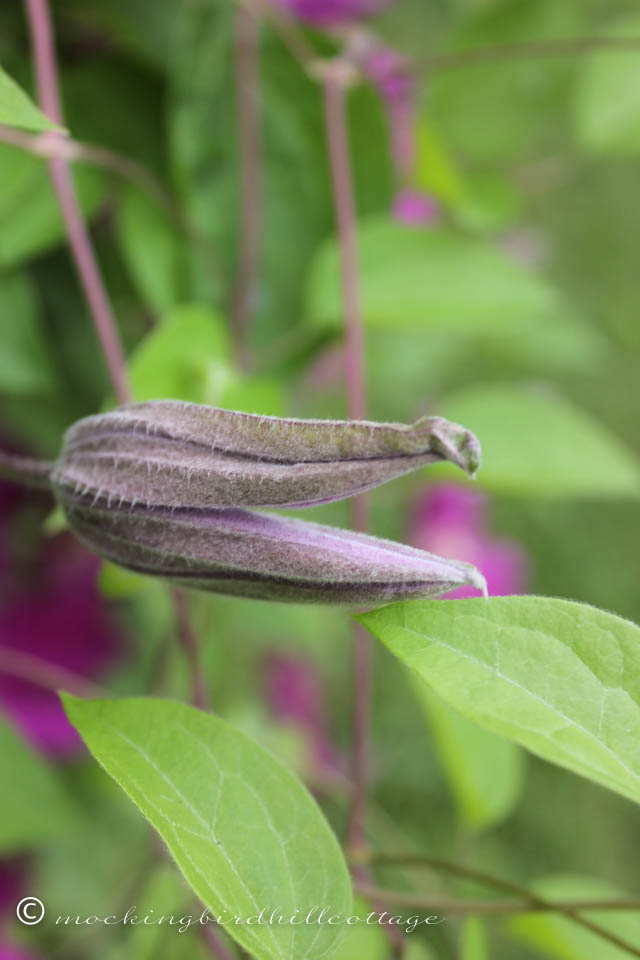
(25, 470)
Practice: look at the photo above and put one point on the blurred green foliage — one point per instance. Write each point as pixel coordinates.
(517, 313)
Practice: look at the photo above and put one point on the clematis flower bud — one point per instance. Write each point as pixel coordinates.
(263, 555)
(186, 456)
(157, 487)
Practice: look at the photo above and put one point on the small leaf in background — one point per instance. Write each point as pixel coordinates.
(34, 808)
(436, 172)
(17, 110)
(165, 894)
(432, 279)
(558, 937)
(152, 249)
(560, 678)
(24, 358)
(30, 221)
(607, 98)
(537, 444)
(485, 772)
(185, 357)
(474, 943)
(241, 827)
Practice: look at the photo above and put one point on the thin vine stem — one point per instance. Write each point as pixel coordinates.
(42, 39)
(528, 50)
(530, 898)
(428, 901)
(337, 136)
(249, 136)
(336, 79)
(40, 25)
(26, 471)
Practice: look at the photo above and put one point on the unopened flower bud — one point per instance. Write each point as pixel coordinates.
(264, 555)
(182, 455)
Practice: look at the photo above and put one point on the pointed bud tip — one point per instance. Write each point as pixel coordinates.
(459, 445)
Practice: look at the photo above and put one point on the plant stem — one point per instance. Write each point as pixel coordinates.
(506, 886)
(25, 470)
(82, 251)
(89, 273)
(335, 110)
(483, 56)
(449, 905)
(335, 83)
(189, 642)
(247, 86)
(40, 672)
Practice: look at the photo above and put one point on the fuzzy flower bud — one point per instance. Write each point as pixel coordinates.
(265, 556)
(156, 487)
(183, 455)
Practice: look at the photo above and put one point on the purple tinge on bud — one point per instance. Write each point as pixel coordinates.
(264, 556)
(329, 13)
(414, 208)
(182, 455)
(453, 520)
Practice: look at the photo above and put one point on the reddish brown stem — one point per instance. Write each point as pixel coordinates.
(191, 649)
(247, 37)
(79, 242)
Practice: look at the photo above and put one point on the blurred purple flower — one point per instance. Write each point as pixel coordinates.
(328, 13)
(52, 612)
(295, 696)
(414, 208)
(452, 521)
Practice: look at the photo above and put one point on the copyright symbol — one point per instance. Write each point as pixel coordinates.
(30, 911)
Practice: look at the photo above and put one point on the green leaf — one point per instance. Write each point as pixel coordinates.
(151, 247)
(186, 357)
(35, 809)
(24, 361)
(557, 936)
(30, 221)
(17, 110)
(485, 772)
(411, 278)
(560, 678)
(537, 444)
(607, 99)
(243, 830)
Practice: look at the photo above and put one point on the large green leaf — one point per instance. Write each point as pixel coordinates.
(17, 110)
(537, 444)
(556, 936)
(34, 807)
(607, 101)
(431, 279)
(24, 363)
(560, 678)
(242, 828)
(485, 772)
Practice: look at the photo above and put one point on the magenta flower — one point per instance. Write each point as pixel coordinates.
(414, 208)
(295, 696)
(329, 13)
(453, 521)
(53, 615)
